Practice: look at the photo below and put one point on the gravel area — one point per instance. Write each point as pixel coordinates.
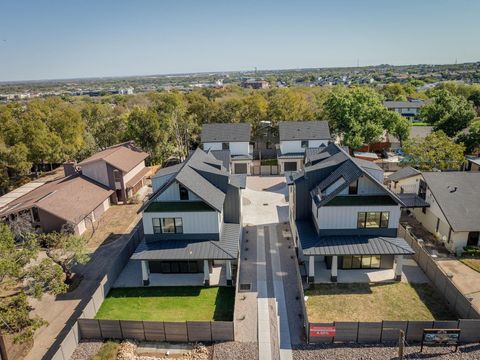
(373, 352)
(86, 350)
(235, 351)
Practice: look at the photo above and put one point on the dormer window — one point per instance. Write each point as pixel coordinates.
(304, 144)
(225, 146)
(353, 188)
(183, 192)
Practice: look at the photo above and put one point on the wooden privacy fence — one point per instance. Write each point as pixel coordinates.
(455, 299)
(388, 331)
(188, 331)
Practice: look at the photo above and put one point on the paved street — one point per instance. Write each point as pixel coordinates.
(273, 276)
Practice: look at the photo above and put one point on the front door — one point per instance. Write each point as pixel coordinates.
(473, 238)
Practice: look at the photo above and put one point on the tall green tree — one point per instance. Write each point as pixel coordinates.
(435, 151)
(471, 138)
(358, 116)
(448, 112)
(288, 104)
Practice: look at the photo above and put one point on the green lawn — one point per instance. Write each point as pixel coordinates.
(420, 124)
(108, 351)
(375, 302)
(472, 263)
(169, 304)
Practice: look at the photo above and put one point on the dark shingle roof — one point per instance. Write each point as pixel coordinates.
(183, 249)
(403, 104)
(403, 173)
(303, 130)
(225, 132)
(223, 156)
(457, 193)
(312, 244)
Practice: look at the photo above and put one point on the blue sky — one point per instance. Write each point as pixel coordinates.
(65, 39)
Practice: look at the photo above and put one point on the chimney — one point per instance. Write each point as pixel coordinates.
(70, 168)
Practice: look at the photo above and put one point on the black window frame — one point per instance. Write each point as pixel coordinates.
(382, 222)
(158, 225)
(183, 192)
(353, 188)
(304, 144)
(225, 146)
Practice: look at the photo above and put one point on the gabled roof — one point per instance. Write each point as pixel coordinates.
(69, 198)
(344, 167)
(224, 156)
(202, 174)
(457, 193)
(404, 173)
(303, 130)
(239, 132)
(124, 156)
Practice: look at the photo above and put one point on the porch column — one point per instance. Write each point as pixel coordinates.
(398, 267)
(206, 273)
(228, 267)
(334, 274)
(145, 273)
(311, 269)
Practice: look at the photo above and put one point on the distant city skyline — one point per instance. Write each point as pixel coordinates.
(87, 39)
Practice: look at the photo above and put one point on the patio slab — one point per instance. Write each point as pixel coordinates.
(411, 273)
(131, 276)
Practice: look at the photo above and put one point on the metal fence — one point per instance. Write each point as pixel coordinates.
(454, 298)
(388, 331)
(188, 331)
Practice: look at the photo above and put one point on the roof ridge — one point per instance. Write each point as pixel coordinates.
(220, 247)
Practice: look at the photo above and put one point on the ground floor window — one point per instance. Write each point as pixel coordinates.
(361, 262)
(176, 267)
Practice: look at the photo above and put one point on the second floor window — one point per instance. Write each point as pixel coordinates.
(167, 225)
(304, 144)
(183, 192)
(372, 220)
(225, 146)
(353, 188)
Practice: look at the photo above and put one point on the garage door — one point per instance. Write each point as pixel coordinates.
(291, 166)
(240, 168)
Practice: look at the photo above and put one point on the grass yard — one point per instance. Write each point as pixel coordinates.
(472, 263)
(108, 351)
(375, 302)
(169, 304)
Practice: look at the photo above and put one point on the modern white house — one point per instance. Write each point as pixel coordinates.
(409, 109)
(343, 218)
(454, 199)
(295, 138)
(192, 224)
(229, 141)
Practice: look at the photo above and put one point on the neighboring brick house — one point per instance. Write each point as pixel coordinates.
(297, 137)
(120, 167)
(231, 144)
(192, 224)
(343, 217)
(73, 199)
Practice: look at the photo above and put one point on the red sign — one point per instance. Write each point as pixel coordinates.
(322, 331)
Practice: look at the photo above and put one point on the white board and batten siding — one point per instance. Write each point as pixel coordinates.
(204, 222)
(295, 146)
(133, 172)
(172, 193)
(345, 217)
(97, 171)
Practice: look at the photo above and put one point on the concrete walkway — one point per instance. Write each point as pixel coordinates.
(266, 210)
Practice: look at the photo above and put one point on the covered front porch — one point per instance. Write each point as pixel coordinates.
(139, 273)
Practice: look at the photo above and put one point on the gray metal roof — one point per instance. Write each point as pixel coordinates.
(413, 201)
(223, 156)
(182, 249)
(242, 157)
(404, 173)
(193, 175)
(457, 193)
(168, 170)
(312, 244)
(239, 180)
(297, 155)
(303, 130)
(225, 132)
